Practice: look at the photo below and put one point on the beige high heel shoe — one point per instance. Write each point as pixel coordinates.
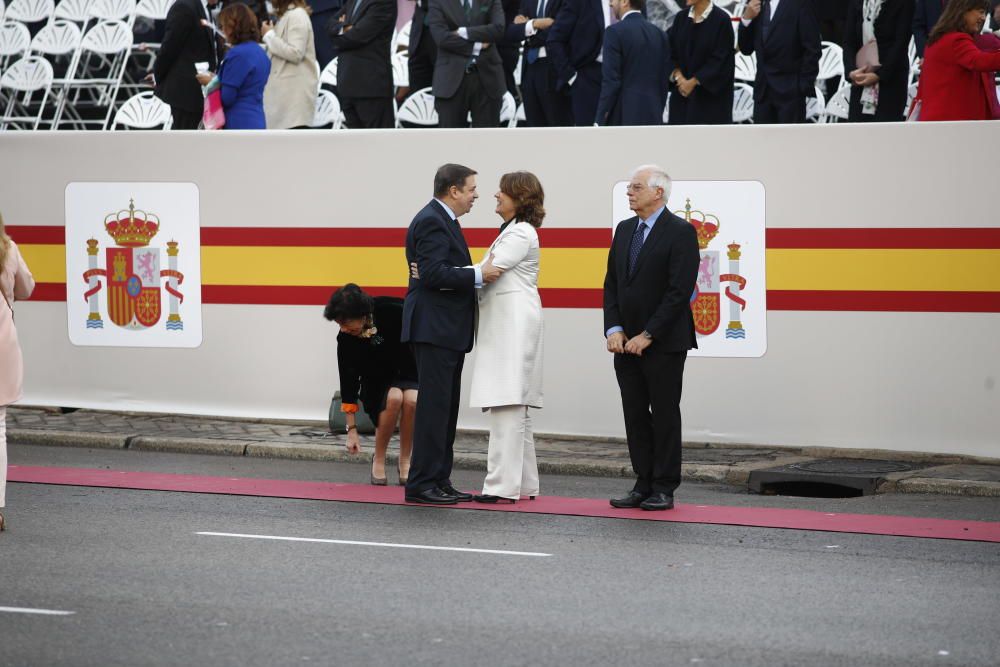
(3, 523)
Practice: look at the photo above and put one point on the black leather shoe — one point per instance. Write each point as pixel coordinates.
(492, 500)
(633, 499)
(658, 501)
(432, 496)
(450, 490)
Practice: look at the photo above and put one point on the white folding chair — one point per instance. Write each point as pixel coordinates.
(15, 39)
(402, 41)
(911, 53)
(518, 67)
(666, 110)
(144, 111)
(911, 92)
(28, 75)
(327, 111)
(30, 11)
(400, 69)
(418, 109)
(113, 10)
(831, 62)
(58, 42)
(329, 74)
(77, 11)
(816, 107)
(742, 103)
(152, 10)
(838, 107)
(99, 70)
(746, 67)
(508, 110)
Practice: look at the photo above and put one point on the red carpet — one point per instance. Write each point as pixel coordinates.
(870, 524)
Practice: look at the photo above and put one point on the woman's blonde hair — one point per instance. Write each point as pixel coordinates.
(4, 243)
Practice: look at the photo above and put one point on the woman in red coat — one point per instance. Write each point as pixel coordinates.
(956, 76)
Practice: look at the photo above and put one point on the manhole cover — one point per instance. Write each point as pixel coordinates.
(851, 467)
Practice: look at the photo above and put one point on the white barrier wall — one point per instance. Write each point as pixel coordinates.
(884, 340)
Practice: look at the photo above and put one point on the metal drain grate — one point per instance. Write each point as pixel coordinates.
(825, 478)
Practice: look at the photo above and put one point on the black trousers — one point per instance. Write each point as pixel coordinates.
(769, 111)
(651, 401)
(543, 107)
(440, 373)
(366, 113)
(585, 94)
(421, 62)
(185, 120)
(470, 97)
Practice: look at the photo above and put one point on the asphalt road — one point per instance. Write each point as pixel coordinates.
(147, 589)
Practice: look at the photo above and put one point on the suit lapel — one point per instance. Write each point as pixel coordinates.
(455, 230)
(655, 234)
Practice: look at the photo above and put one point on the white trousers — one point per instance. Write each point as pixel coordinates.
(3, 456)
(511, 469)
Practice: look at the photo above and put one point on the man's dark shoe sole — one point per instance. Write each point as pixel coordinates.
(427, 501)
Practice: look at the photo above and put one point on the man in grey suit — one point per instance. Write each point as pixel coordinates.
(468, 74)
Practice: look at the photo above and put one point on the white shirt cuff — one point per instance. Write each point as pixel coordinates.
(745, 22)
(476, 48)
(529, 28)
(612, 330)
(463, 32)
(479, 275)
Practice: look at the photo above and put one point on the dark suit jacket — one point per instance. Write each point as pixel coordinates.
(635, 73)
(893, 28)
(418, 30)
(576, 38)
(788, 54)
(364, 68)
(440, 307)
(926, 14)
(657, 298)
(185, 42)
(486, 25)
(323, 11)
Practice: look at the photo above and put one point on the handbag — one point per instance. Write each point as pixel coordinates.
(867, 57)
(337, 420)
(213, 117)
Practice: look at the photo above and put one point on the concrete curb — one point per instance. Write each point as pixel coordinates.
(68, 439)
(145, 443)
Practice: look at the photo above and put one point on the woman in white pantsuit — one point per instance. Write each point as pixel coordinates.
(507, 375)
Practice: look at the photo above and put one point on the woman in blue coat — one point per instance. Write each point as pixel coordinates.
(244, 71)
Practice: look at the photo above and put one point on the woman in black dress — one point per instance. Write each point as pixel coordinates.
(878, 95)
(701, 44)
(376, 368)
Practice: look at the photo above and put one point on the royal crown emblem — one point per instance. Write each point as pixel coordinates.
(706, 301)
(133, 274)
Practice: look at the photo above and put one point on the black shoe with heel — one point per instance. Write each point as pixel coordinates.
(493, 500)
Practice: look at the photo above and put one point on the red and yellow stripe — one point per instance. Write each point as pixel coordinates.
(922, 270)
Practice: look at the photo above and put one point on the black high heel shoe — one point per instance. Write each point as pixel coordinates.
(493, 500)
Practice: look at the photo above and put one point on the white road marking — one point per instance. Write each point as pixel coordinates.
(376, 544)
(28, 610)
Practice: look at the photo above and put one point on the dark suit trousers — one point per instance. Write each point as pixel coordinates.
(781, 111)
(543, 107)
(366, 113)
(185, 120)
(470, 97)
(440, 373)
(421, 63)
(586, 93)
(651, 400)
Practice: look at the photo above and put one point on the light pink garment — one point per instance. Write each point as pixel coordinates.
(15, 283)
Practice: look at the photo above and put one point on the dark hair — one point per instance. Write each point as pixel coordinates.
(243, 24)
(953, 17)
(639, 5)
(526, 191)
(448, 176)
(349, 303)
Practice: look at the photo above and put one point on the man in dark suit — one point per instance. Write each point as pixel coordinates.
(468, 74)
(362, 36)
(926, 14)
(574, 44)
(422, 49)
(323, 12)
(636, 69)
(438, 320)
(186, 41)
(785, 36)
(543, 106)
(652, 268)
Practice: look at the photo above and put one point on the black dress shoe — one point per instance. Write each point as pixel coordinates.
(658, 501)
(492, 500)
(432, 496)
(450, 490)
(633, 499)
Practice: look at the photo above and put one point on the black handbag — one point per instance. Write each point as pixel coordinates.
(338, 420)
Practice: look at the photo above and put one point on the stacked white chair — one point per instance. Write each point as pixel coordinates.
(838, 106)
(113, 10)
(746, 67)
(520, 116)
(831, 62)
(508, 110)
(14, 42)
(400, 69)
(402, 41)
(742, 103)
(58, 42)
(144, 111)
(329, 74)
(911, 53)
(418, 109)
(327, 111)
(28, 75)
(816, 107)
(77, 11)
(30, 11)
(100, 69)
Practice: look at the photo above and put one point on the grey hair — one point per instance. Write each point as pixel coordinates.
(658, 178)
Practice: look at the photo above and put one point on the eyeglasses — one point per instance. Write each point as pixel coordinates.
(634, 187)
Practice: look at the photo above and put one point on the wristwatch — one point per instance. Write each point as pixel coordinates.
(351, 427)
(647, 335)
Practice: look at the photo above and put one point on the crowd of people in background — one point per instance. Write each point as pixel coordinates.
(582, 63)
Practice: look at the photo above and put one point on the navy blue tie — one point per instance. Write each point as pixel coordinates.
(633, 251)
